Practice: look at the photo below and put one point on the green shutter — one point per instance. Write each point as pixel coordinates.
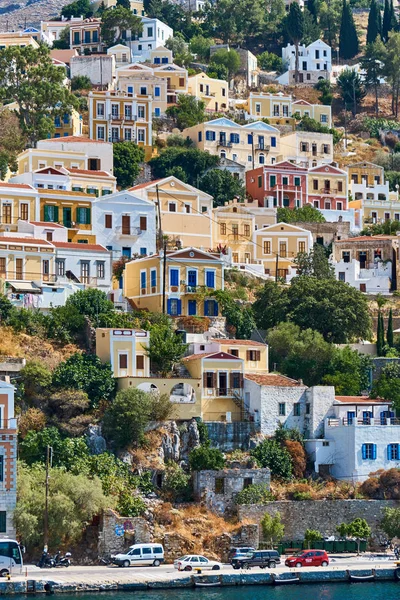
(46, 213)
(78, 215)
(56, 214)
(88, 216)
(3, 521)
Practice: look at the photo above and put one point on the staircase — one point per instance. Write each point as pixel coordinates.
(239, 401)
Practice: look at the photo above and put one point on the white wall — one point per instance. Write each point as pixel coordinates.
(376, 280)
(92, 149)
(100, 68)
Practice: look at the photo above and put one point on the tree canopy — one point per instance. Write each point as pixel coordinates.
(303, 214)
(115, 21)
(127, 159)
(187, 111)
(348, 39)
(222, 185)
(165, 349)
(29, 78)
(193, 162)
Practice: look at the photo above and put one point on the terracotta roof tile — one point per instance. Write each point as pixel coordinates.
(366, 238)
(360, 400)
(76, 246)
(273, 379)
(215, 355)
(46, 224)
(76, 138)
(65, 193)
(238, 343)
(24, 186)
(89, 172)
(24, 240)
(144, 185)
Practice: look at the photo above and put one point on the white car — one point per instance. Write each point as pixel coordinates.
(196, 561)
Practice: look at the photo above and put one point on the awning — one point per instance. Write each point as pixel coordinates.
(24, 287)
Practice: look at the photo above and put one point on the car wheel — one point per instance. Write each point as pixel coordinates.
(298, 565)
(262, 566)
(324, 563)
(126, 563)
(236, 566)
(188, 568)
(246, 565)
(156, 563)
(272, 564)
(216, 568)
(4, 573)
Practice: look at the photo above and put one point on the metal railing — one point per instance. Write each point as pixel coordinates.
(121, 230)
(224, 144)
(343, 421)
(8, 424)
(17, 276)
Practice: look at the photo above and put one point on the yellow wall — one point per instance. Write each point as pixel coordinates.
(214, 92)
(17, 199)
(282, 239)
(69, 201)
(226, 223)
(32, 257)
(110, 343)
(292, 149)
(33, 159)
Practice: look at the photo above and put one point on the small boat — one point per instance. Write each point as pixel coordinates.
(370, 577)
(278, 581)
(204, 584)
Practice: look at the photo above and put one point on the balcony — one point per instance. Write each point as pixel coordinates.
(263, 147)
(365, 422)
(122, 231)
(224, 144)
(89, 281)
(24, 277)
(328, 190)
(224, 392)
(8, 424)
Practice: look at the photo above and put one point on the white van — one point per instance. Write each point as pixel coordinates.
(141, 554)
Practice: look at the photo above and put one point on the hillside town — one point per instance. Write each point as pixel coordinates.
(200, 286)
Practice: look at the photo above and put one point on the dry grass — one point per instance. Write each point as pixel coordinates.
(315, 490)
(148, 456)
(20, 345)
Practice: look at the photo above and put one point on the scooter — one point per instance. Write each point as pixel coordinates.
(46, 561)
(62, 561)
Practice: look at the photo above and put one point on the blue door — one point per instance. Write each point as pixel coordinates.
(350, 416)
(367, 416)
(192, 308)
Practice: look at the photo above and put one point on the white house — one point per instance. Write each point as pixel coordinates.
(99, 154)
(361, 437)
(125, 224)
(374, 280)
(154, 34)
(315, 63)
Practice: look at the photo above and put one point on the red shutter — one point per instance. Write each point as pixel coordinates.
(258, 355)
(214, 380)
(204, 380)
(248, 354)
(231, 380)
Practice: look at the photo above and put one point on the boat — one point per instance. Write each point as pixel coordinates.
(204, 584)
(370, 577)
(278, 581)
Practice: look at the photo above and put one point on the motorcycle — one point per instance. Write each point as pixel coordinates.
(46, 561)
(62, 561)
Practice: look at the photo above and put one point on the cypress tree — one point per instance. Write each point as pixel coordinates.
(389, 333)
(373, 23)
(295, 30)
(386, 25)
(348, 40)
(394, 25)
(312, 7)
(380, 337)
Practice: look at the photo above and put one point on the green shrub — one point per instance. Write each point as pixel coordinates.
(257, 493)
(176, 483)
(270, 454)
(205, 458)
(302, 496)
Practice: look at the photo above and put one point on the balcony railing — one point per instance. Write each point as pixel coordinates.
(17, 276)
(225, 392)
(89, 281)
(342, 421)
(328, 190)
(8, 424)
(134, 231)
(224, 144)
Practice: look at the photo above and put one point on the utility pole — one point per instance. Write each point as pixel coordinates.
(49, 457)
(252, 148)
(160, 235)
(164, 274)
(276, 267)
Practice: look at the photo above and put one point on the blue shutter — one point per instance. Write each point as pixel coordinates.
(249, 138)
(156, 92)
(153, 278)
(389, 452)
(130, 89)
(179, 307)
(383, 417)
(199, 136)
(169, 306)
(364, 451)
(157, 60)
(143, 280)
(216, 308)
(350, 417)
(210, 279)
(174, 277)
(157, 112)
(273, 142)
(373, 451)
(206, 309)
(192, 307)
(391, 414)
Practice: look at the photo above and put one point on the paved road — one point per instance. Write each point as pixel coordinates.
(111, 574)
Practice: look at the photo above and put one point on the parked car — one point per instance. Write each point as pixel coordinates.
(258, 558)
(193, 561)
(308, 558)
(140, 554)
(239, 552)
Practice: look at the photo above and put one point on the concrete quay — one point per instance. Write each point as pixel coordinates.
(102, 579)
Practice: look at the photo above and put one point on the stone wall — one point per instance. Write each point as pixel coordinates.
(117, 533)
(229, 436)
(323, 515)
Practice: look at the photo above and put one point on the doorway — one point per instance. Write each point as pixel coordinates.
(222, 384)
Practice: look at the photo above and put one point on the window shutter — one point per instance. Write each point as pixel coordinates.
(231, 381)
(56, 214)
(216, 309)
(46, 213)
(88, 216)
(204, 380)
(3, 521)
(258, 355)
(248, 354)
(389, 452)
(249, 138)
(169, 306)
(179, 307)
(364, 451)
(206, 308)
(214, 380)
(373, 451)
(240, 380)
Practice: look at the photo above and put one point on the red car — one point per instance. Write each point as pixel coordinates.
(308, 558)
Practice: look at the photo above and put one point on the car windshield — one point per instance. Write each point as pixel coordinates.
(183, 557)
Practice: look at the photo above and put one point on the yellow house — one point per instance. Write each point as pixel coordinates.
(19, 201)
(71, 209)
(222, 376)
(25, 263)
(370, 211)
(185, 211)
(33, 159)
(135, 5)
(307, 149)
(117, 116)
(139, 79)
(277, 246)
(213, 92)
(280, 109)
(177, 80)
(124, 349)
(251, 145)
(161, 56)
(17, 38)
(191, 277)
(68, 125)
(233, 227)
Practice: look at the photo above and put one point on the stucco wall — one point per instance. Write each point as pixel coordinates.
(322, 515)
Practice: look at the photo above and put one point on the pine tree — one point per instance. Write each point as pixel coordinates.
(348, 40)
(394, 25)
(295, 30)
(312, 6)
(389, 333)
(386, 24)
(373, 23)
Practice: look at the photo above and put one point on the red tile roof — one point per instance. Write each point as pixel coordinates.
(140, 186)
(273, 379)
(88, 172)
(360, 400)
(215, 355)
(75, 138)
(46, 224)
(239, 342)
(24, 186)
(76, 246)
(23, 240)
